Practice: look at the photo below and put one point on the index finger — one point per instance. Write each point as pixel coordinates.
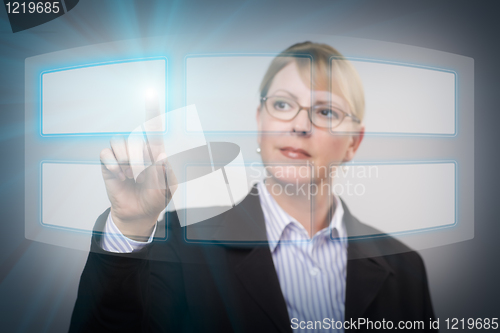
(154, 121)
(154, 126)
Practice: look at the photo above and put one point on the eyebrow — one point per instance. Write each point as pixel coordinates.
(328, 101)
(287, 92)
(317, 102)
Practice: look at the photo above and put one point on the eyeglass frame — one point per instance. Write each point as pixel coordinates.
(309, 109)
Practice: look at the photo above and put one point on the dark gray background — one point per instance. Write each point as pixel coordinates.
(38, 282)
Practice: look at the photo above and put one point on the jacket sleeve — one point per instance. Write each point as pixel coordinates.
(428, 309)
(115, 290)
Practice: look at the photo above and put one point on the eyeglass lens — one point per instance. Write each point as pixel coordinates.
(322, 115)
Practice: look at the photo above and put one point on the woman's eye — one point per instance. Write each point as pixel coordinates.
(328, 113)
(281, 105)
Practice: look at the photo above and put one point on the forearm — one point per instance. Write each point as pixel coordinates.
(112, 294)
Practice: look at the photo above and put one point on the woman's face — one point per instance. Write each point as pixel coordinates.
(296, 151)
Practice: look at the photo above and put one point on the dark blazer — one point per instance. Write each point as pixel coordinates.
(219, 276)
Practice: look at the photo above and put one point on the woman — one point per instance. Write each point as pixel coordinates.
(306, 276)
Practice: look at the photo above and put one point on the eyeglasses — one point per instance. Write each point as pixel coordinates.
(322, 115)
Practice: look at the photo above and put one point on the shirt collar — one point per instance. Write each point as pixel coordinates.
(276, 219)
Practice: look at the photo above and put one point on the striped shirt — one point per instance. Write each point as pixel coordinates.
(115, 241)
(311, 272)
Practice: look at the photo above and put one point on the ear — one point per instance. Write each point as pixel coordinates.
(259, 125)
(354, 142)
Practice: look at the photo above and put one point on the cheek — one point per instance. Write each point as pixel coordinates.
(270, 124)
(269, 133)
(331, 149)
(266, 143)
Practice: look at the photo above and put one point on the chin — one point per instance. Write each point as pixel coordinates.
(291, 174)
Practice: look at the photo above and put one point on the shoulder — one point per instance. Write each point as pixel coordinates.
(368, 242)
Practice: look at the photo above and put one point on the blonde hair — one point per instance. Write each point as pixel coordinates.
(329, 67)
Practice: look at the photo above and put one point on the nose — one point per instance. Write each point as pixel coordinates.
(301, 124)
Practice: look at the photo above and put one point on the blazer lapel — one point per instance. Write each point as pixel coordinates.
(248, 252)
(366, 268)
(242, 231)
(256, 272)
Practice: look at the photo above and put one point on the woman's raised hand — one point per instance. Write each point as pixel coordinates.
(137, 203)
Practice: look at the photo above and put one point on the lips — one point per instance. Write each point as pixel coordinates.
(295, 153)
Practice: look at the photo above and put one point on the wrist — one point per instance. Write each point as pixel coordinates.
(139, 229)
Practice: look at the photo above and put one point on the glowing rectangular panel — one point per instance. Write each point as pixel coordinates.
(73, 195)
(225, 90)
(408, 100)
(401, 99)
(107, 98)
(400, 197)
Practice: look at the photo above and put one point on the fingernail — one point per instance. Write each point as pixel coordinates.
(121, 176)
(129, 173)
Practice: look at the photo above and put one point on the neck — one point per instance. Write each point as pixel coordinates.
(309, 204)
